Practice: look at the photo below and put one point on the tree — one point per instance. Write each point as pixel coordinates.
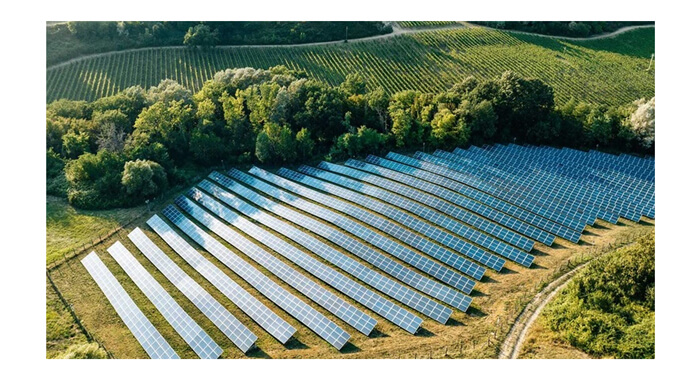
(75, 144)
(201, 36)
(364, 141)
(305, 144)
(168, 124)
(354, 84)
(94, 180)
(444, 129)
(643, 120)
(111, 138)
(167, 91)
(480, 119)
(275, 142)
(143, 179)
(378, 101)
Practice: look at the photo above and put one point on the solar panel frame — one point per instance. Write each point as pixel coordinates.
(266, 318)
(226, 322)
(297, 308)
(141, 328)
(202, 344)
(328, 300)
(395, 269)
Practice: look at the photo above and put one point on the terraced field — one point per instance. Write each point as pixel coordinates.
(608, 71)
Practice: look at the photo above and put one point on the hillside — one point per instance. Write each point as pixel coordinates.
(608, 71)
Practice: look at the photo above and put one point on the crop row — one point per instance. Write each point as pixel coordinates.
(427, 61)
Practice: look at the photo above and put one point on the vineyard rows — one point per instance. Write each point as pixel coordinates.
(424, 24)
(426, 61)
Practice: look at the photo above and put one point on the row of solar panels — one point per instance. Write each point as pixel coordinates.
(455, 214)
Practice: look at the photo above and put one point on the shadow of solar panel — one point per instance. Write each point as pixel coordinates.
(150, 339)
(313, 291)
(240, 335)
(267, 319)
(380, 261)
(307, 315)
(202, 344)
(472, 188)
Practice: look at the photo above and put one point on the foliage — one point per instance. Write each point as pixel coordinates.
(643, 120)
(201, 35)
(357, 144)
(276, 143)
(85, 351)
(608, 310)
(143, 179)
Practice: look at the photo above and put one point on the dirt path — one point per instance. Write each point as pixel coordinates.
(516, 336)
(396, 32)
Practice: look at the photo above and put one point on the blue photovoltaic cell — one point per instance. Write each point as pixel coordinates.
(150, 339)
(433, 184)
(478, 254)
(429, 200)
(437, 201)
(339, 307)
(266, 318)
(400, 217)
(322, 271)
(467, 186)
(238, 333)
(380, 261)
(184, 325)
(307, 315)
(349, 265)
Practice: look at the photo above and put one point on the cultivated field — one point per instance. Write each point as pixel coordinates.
(607, 71)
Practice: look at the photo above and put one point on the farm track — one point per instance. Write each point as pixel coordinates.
(512, 344)
(396, 32)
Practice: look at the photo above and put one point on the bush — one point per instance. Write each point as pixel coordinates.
(607, 310)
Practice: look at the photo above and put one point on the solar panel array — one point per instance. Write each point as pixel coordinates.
(217, 313)
(184, 325)
(309, 316)
(379, 230)
(150, 339)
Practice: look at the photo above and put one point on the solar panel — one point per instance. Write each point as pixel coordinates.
(478, 254)
(436, 200)
(202, 344)
(307, 315)
(335, 279)
(380, 261)
(150, 339)
(266, 318)
(576, 225)
(241, 336)
(456, 181)
(400, 217)
(339, 307)
(372, 278)
(434, 184)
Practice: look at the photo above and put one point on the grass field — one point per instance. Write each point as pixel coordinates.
(68, 228)
(476, 334)
(609, 71)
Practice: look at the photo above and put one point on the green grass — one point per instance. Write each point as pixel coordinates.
(68, 228)
(605, 71)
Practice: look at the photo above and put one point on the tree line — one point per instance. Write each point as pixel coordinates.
(608, 310)
(123, 149)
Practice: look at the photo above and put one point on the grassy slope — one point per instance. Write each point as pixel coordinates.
(68, 228)
(606, 71)
(495, 304)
